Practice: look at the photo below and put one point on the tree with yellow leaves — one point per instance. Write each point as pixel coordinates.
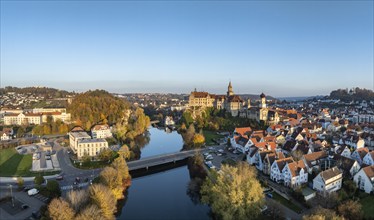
(198, 140)
(59, 209)
(102, 197)
(234, 193)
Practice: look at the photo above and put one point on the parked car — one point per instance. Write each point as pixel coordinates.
(24, 206)
(47, 157)
(59, 178)
(77, 179)
(269, 195)
(32, 192)
(209, 157)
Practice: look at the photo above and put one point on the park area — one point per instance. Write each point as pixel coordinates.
(367, 206)
(211, 137)
(14, 164)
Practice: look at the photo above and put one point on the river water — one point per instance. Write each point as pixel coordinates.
(162, 195)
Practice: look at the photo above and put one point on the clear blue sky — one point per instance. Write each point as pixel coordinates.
(282, 48)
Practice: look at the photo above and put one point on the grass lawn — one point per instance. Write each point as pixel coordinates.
(209, 136)
(367, 207)
(14, 164)
(286, 202)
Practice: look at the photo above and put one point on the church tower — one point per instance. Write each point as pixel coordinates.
(230, 92)
(263, 100)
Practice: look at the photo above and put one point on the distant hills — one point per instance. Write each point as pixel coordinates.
(38, 91)
(255, 97)
(354, 94)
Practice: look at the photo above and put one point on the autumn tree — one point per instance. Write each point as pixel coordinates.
(90, 212)
(198, 140)
(189, 135)
(78, 199)
(234, 193)
(103, 198)
(20, 182)
(59, 209)
(351, 210)
(323, 214)
(105, 154)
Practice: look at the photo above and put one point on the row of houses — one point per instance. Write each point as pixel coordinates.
(278, 158)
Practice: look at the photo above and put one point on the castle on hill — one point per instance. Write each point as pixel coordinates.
(235, 105)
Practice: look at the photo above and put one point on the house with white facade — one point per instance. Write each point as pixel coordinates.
(277, 168)
(359, 154)
(364, 179)
(295, 174)
(369, 158)
(348, 166)
(22, 118)
(328, 181)
(90, 147)
(101, 131)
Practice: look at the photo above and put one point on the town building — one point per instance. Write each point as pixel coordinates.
(101, 131)
(295, 174)
(22, 118)
(90, 147)
(231, 102)
(328, 181)
(365, 179)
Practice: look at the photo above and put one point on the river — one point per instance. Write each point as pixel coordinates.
(162, 195)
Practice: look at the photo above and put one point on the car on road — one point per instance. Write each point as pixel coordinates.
(221, 151)
(47, 157)
(24, 206)
(59, 178)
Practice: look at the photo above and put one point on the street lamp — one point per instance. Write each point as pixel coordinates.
(11, 194)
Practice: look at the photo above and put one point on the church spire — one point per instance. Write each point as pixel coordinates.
(230, 92)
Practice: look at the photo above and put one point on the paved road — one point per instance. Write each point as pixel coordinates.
(69, 172)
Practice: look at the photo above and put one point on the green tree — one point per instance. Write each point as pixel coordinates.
(53, 188)
(187, 118)
(38, 180)
(59, 209)
(350, 210)
(102, 197)
(234, 193)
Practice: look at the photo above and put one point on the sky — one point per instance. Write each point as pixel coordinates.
(281, 48)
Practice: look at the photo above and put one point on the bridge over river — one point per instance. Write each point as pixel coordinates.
(149, 162)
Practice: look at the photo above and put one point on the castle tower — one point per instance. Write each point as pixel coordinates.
(263, 100)
(248, 103)
(230, 92)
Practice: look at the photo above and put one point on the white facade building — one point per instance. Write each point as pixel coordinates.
(365, 179)
(328, 181)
